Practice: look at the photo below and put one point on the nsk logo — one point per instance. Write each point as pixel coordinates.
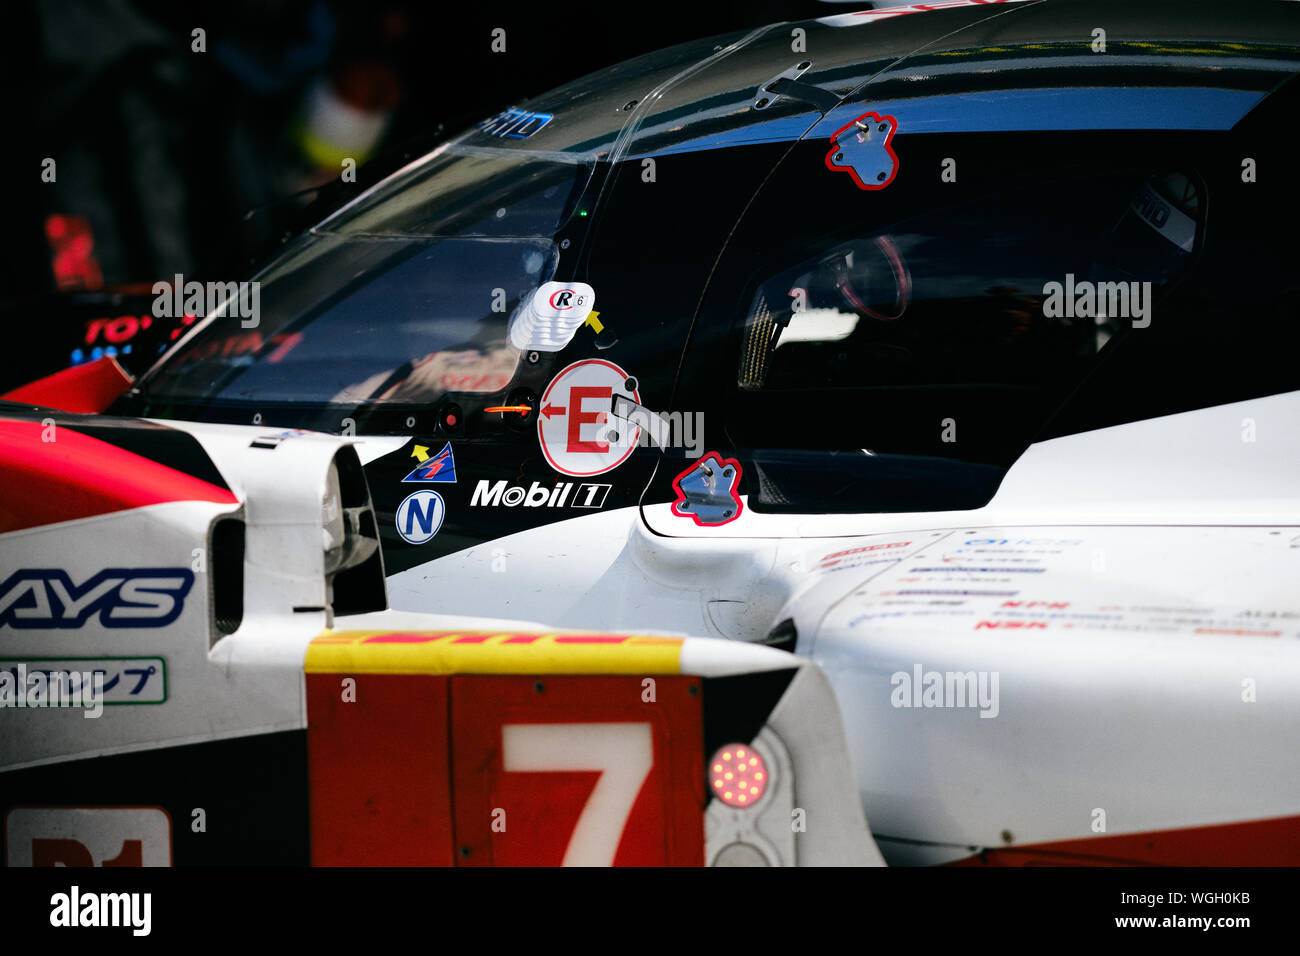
(538, 495)
(122, 597)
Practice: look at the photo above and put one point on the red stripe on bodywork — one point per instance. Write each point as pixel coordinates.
(1272, 842)
(404, 638)
(88, 388)
(75, 476)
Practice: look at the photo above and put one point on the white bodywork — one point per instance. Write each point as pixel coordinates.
(1113, 636)
(1133, 588)
(207, 686)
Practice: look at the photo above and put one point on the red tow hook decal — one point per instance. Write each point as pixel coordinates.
(864, 150)
(707, 491)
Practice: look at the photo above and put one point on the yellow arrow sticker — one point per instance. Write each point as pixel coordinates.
(421, 453)
(595, 323)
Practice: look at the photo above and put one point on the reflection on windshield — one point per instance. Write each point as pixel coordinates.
(401, 298)
(363, 320)
(427, 379)
(469, 191)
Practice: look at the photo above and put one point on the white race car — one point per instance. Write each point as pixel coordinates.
(874, 439)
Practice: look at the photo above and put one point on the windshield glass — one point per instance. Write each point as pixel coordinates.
(355, 320)
(404, 297)
(471, 191)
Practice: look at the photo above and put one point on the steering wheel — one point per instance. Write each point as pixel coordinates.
(839, 266)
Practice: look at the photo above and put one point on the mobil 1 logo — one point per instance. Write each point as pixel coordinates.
(564, 494)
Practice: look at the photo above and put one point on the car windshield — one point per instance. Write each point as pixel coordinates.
(402, 297)
(464, 191)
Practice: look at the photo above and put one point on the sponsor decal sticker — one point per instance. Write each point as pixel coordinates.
(120, 597)
(956, 592)
(563, 494)
(420, 515)
(515, 123)
(439, 467)
(548, 319)
(126, 680)
(963, 569)
(491, 652)
(852, 557)
(1022, 542)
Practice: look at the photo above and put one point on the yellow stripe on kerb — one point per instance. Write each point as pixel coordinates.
(490, 652)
